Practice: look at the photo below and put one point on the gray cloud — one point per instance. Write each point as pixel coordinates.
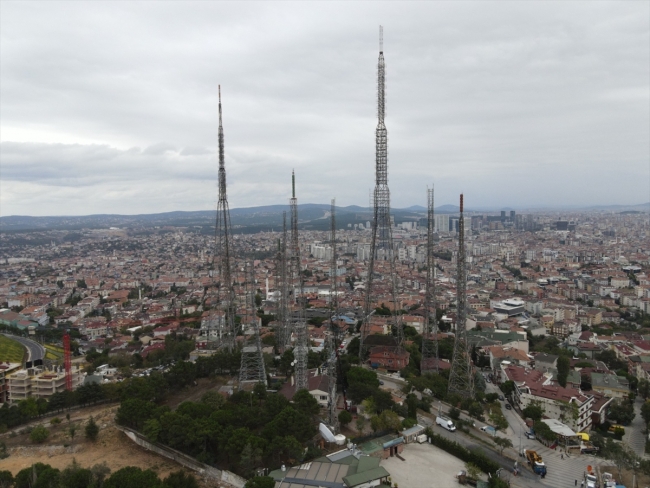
(111, 107)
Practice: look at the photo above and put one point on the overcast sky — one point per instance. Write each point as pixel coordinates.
(111, 107)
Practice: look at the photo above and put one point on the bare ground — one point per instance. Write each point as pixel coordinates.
(111, 447)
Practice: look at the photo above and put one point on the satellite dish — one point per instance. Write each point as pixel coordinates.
(293, 363)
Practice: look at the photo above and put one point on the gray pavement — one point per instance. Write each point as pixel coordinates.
(34, 349)
(634, 433)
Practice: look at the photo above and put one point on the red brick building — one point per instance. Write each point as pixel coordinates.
(389, 358)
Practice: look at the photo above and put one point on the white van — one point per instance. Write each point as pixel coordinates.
(445, 423)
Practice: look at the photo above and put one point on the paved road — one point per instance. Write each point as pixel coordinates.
(634, 433)
(34, 349)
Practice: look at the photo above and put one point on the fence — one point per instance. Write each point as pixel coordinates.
(189, 462)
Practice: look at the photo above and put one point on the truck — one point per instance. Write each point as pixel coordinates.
(535, 461)
(445, 423)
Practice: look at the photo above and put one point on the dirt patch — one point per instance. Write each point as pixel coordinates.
(111, 447)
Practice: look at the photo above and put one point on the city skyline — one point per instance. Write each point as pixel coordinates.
(516, 105)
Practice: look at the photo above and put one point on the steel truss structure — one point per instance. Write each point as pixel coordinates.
(461, 377)
(429, 361)
(381, 245)
(223, 253)
(298, 316)
(252, 360)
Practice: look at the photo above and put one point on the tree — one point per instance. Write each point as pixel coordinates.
(645, 411)
(38, 475)
(473, 471)
(643, 389)
(360, 423)
(621, 412)
(260, 482)
(305, 402)
(91, 430)
(39, 434)
(502, 443)
(533, 411)
(180, 479)
(563, 366)
(345, 417)
(72, 431)
(6, 479)
(74, 476)
(507, 387)
(132, 477)
(412, 405)
(214, 399)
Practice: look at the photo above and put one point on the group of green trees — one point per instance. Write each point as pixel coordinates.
(31, 408)
(99, 476)
(241, 434)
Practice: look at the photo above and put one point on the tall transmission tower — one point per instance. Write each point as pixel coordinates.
(223, 252)
(381, 244)
(334, 297)
(252, 368)
(461, 378)
(332, 338)
(429, 362)
(298, 315)
(283, 317)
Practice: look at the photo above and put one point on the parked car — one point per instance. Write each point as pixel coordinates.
(530, 435)
(501, 398)
(508, 406)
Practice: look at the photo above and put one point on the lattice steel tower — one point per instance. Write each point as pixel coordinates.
(283, 317)
(298, 315)
(252, 368)
(223, 252)
(429, 362)
(461, 377)
(381, 244)
(332, 338)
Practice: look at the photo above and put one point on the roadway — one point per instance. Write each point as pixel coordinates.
(34, 349)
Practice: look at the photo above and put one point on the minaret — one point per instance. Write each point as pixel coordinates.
(223, 251)
(461, 376)
(381, 244)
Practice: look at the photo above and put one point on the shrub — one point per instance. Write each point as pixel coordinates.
(39, 434)
(55, 421)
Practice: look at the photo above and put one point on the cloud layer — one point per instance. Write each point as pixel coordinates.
(111, 107)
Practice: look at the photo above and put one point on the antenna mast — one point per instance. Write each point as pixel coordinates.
(298, 317)
(461, 378)
(252, 368)
(381, 246)
(223, 253)
(332, 337)
(430, 358)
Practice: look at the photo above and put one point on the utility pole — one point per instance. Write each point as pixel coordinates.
(381, 244)
(302, 340)
(429, 362)
(223, 252)
(461, 378)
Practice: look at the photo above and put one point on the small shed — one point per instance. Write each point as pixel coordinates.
(411, 434)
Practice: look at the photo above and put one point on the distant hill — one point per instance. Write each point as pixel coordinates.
(251, 219)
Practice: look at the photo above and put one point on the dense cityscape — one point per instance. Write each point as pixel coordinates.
(316, 345)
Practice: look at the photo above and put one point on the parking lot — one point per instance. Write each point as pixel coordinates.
(424, 466)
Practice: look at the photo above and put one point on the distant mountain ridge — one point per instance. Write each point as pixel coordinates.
(254, 219)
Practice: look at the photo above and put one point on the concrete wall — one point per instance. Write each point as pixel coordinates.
(184, 460)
